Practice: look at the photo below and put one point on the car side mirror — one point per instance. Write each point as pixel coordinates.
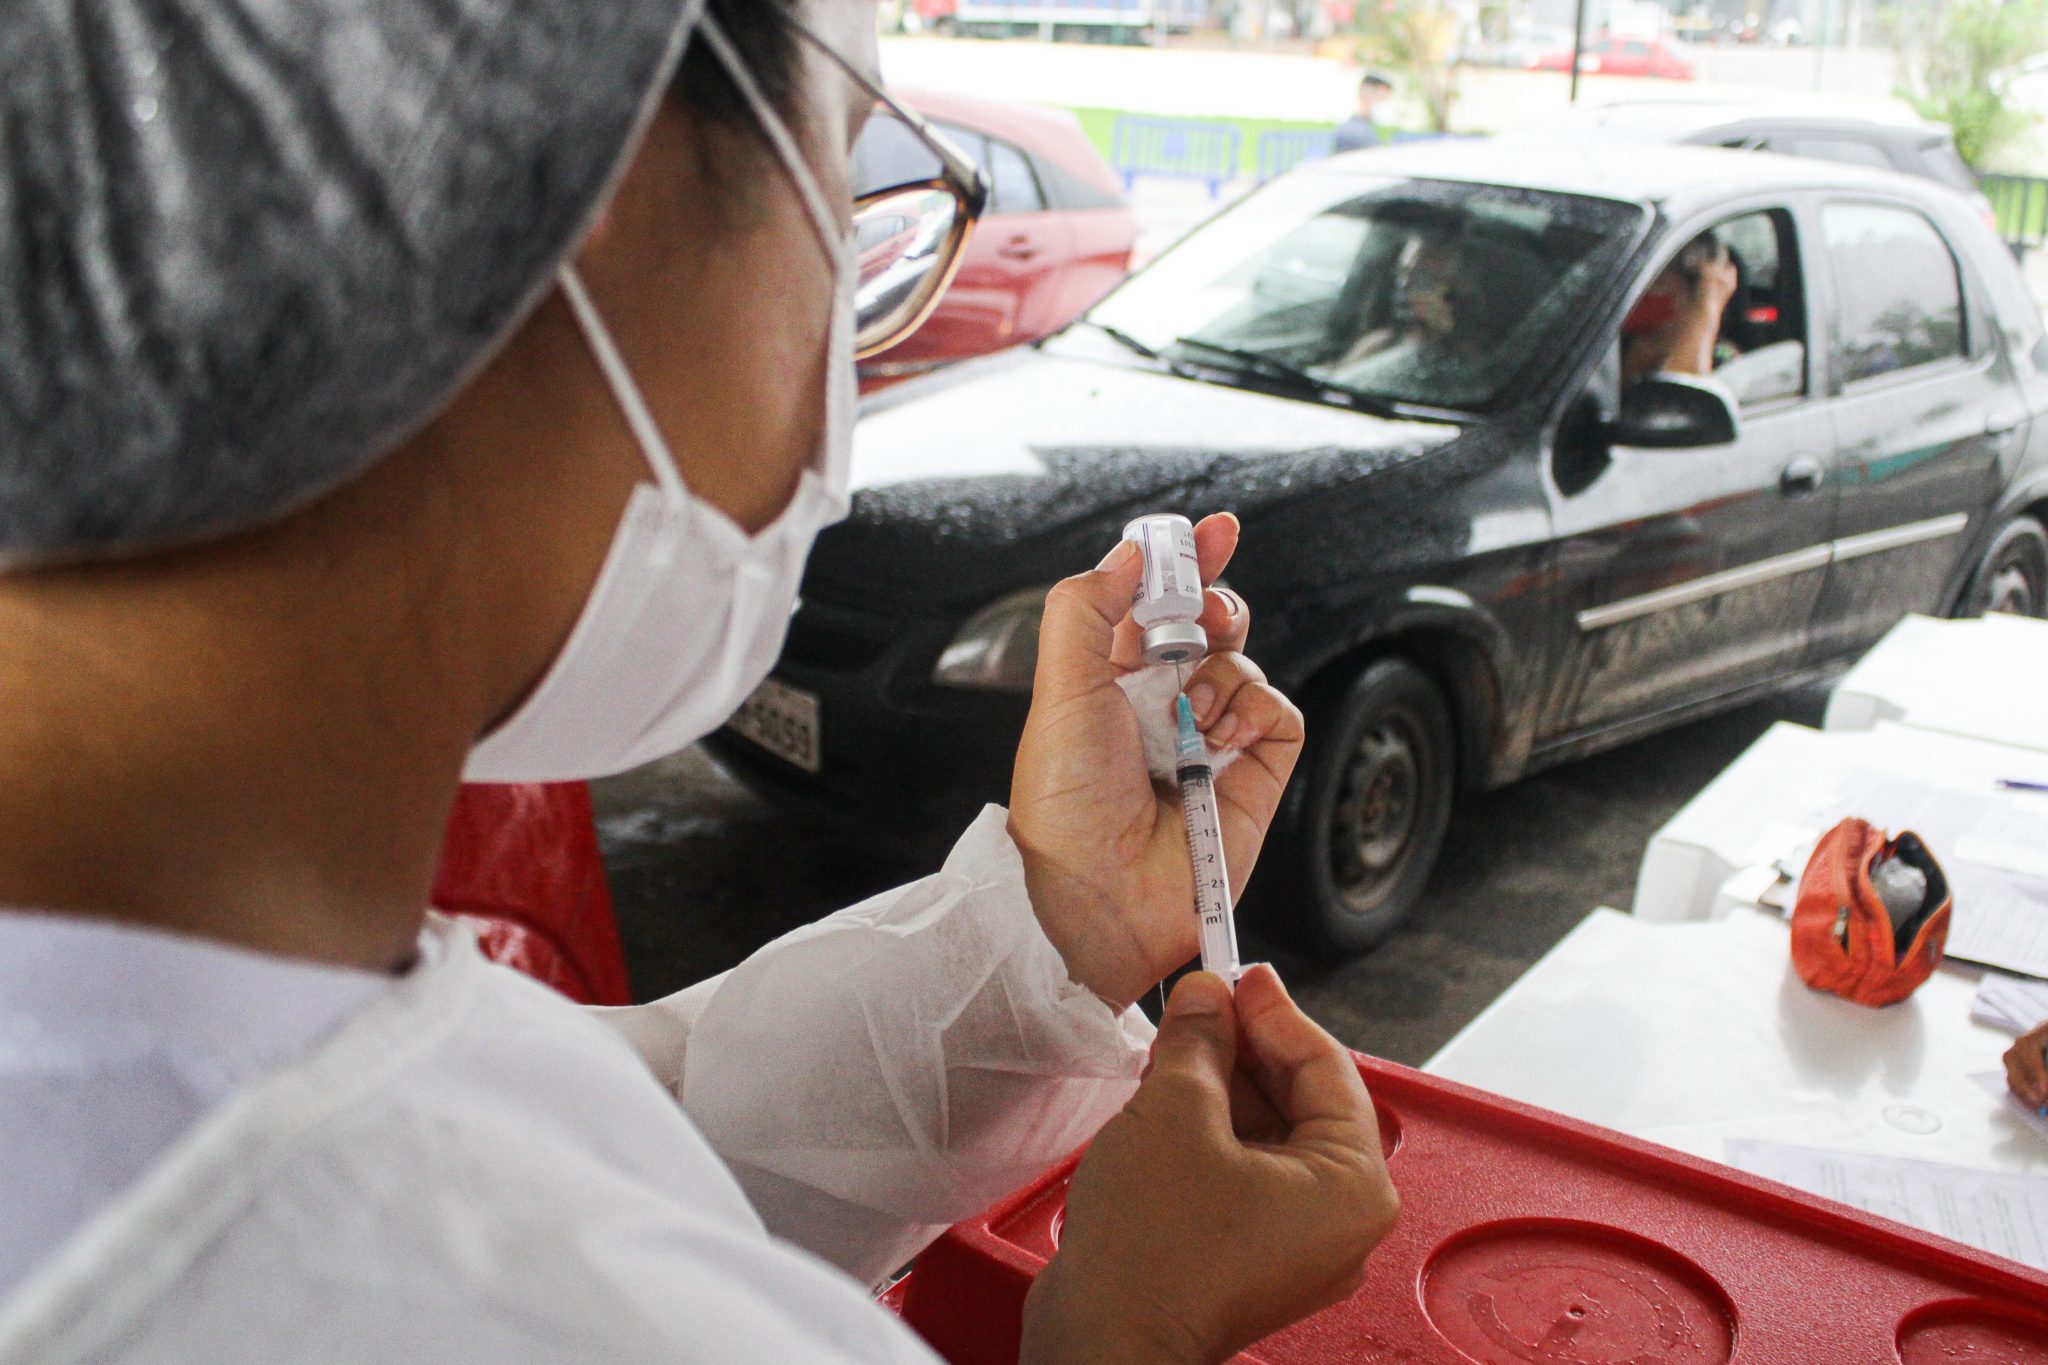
(1669, 411)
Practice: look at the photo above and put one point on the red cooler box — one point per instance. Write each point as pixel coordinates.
(1527, 1238)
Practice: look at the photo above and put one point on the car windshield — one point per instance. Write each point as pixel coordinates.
(1428, 293)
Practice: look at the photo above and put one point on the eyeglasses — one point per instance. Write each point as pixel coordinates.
(907, 238)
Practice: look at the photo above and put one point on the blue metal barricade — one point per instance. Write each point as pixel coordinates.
(1278, 151)
(1181, 148)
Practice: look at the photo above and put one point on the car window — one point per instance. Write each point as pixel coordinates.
(1312, 262)
(1846, 150)
(1762, 352)
(1635, 49)
(973, 144)
(1727, 303)
(888, 154)
(1012, 189)
(1068, 189)
(1897, 292)
(1432, 293)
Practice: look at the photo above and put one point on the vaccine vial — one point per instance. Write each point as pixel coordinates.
(1169, 596)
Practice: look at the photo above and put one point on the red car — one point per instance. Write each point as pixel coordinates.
(1609, 55)
(1055, 237)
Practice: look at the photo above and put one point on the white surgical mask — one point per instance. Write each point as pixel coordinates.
(689, 612)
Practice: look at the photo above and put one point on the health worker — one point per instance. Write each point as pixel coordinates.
(393, 392)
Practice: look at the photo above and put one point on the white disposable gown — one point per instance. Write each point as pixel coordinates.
(469, 1168)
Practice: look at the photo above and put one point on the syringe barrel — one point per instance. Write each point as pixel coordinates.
(1169, 597)
(1216, 920)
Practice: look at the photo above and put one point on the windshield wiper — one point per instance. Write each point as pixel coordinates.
(1123, 339)
(1275, 368)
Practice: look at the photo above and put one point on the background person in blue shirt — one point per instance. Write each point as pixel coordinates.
(1360, 130)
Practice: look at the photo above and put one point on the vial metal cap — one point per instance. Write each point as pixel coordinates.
(1175, 642)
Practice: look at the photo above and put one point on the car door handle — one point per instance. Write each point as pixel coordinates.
(1802, 478)
(2000, 425)
(1017, 249)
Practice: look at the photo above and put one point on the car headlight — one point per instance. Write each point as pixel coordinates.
(997, 649)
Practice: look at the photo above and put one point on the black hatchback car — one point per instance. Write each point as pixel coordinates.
(1473, 550)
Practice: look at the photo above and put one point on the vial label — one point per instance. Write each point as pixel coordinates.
(1159, 561)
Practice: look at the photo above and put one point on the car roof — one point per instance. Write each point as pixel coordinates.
(1052, 133)
(1675, 119)
(1003, 118)
(1611, 168)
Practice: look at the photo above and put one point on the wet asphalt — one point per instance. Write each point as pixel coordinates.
(703, 872)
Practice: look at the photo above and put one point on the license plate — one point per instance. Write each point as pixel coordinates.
(784, 721)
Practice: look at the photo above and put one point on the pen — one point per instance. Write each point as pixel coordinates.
(2015, 784)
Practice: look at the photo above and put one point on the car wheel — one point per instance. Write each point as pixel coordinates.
(2013, 576)
(1365, 821)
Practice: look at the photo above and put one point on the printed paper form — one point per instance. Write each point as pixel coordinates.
(1948, 818)
(2010, 1005)
(2006, 1214)
(2000, 920)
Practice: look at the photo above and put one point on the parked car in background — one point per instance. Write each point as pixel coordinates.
(1907, 146)
(1615, 55)
(1472, 549)
(1056, 236)
(1523, 44)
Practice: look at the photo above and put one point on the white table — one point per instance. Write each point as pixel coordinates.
(1763, 805)
(1689, 1034)
(1983, 679)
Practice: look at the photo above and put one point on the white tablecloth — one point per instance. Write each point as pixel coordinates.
(1982, 679)
(1689, 1034)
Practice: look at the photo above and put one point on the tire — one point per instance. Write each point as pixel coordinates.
(1364, 820)
(2013, 575)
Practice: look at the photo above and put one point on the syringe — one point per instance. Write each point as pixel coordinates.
(1218, 924)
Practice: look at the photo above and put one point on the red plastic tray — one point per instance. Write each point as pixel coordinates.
(1527, 1238)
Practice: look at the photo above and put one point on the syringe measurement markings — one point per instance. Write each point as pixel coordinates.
(1211, 880)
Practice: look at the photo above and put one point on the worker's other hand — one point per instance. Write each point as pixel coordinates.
(2025, 1071)
(1239, 1190)
(1105, 851)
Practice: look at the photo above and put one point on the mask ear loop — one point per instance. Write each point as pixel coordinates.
(829, 234)
(626, 393)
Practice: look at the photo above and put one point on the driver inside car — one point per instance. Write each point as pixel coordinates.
(1459, 293)
(1425, 317)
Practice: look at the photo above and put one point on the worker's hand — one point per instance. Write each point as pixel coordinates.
(2025, 1071)
(1239, 1190)
(1105, 852)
